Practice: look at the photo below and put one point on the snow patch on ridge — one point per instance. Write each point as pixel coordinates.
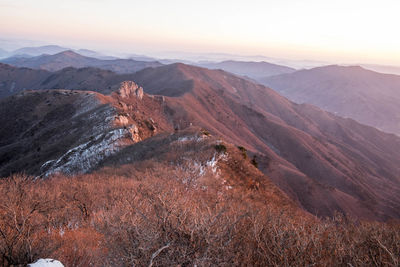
(198, 169)
(189, 139)
(213, 164)
(46, 263)
(86, 156)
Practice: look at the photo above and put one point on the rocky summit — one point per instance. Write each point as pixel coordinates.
(129, 88)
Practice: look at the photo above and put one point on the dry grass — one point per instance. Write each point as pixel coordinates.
(158, 211)
(153, 220)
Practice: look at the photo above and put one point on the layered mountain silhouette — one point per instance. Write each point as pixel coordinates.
(369, 97)
(14, 80)
(28, 52)
(72, 59)
(253, 70)
(39, 50)
(323, 162)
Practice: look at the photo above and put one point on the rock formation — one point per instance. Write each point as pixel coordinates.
(129, 88)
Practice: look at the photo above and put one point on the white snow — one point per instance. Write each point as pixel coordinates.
(213, 164)
(197, 169)
(82, 158)
(47, 163)
(46, 263)
(190, 138)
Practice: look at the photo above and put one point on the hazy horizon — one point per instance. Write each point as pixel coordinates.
(340, 32)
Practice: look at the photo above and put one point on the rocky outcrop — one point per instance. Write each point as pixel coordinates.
(128, 89)
(134, 133)
(121, 120)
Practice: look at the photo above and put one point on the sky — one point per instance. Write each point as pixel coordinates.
(337, 31)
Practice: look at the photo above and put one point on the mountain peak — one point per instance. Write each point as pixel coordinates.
(68, 53)
(253, 70)
(129, 88)
(340, 68)
(40, 50)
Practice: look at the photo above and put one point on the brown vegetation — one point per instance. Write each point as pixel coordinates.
(125, 218)
(323, 162)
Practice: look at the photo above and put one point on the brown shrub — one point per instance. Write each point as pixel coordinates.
(157, 220)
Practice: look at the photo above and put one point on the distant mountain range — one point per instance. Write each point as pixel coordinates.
(321, 161)
(72, 59)
(49, 50)
(13, 79)
(369, 97)
(40, 50)
(229, 62)
(253, 70)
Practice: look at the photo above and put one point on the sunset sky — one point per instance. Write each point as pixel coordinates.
(340, 31)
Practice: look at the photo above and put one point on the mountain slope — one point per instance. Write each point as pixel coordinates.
(39, 50)
(71, 131)
(369, 97)
(14, 80)
(323, 162)
(254, 70)
(72, 59)
(342, 162)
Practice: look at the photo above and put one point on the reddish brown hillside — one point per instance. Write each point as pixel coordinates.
(182, 198)
(325, 162)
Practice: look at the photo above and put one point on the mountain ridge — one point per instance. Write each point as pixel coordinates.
(324, 162)
(70, 58)
(369, 97)
(253, 70)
